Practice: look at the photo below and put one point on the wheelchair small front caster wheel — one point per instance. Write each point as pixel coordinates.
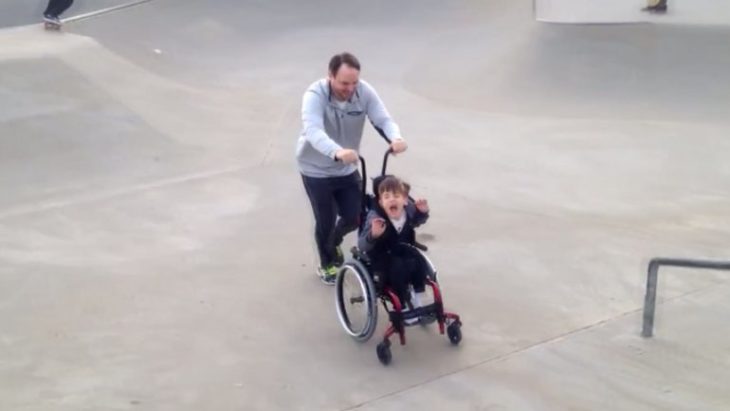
(454, 333)
(384, 354)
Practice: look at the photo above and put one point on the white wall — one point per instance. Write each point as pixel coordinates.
(716, 12)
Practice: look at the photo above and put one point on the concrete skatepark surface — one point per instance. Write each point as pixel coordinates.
(156, 247)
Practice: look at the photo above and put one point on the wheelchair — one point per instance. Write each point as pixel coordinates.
(358, 289)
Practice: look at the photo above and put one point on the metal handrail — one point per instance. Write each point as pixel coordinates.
(647, 329)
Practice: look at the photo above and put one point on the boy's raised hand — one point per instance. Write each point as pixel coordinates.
(422, 205)
(377, 228)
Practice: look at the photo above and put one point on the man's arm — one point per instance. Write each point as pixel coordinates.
(313, 125)
(378, 114)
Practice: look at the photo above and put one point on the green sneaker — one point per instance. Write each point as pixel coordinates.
(327, 274)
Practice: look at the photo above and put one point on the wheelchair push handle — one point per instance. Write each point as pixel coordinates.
(388, 152)
(364, 177)
(363, 168)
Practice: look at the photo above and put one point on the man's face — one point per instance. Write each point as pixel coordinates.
(393, 203)
(344, 81)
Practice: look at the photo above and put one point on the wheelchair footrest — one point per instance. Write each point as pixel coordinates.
(426, 313)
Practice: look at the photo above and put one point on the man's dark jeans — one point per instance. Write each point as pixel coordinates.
(330, 197)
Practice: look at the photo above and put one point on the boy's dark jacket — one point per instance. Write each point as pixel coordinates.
(381, 249)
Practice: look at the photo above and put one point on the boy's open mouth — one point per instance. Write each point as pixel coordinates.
(393, 208)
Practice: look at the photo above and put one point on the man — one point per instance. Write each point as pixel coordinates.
(55, 9)
(333, 119)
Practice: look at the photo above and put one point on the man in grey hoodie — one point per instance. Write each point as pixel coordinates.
(333, 119)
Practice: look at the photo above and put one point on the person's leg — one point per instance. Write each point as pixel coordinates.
(63, 6)
(323, 207)
(57, 7)
(348, 195)
(419, 296)
(398, 279)
(418, 274)
(51, 7)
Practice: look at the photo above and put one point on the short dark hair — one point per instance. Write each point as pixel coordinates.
(392, 184)
(343, 58)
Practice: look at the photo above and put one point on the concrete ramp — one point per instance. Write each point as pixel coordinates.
(156, 247)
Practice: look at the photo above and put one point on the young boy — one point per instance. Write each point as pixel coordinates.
(389, 224)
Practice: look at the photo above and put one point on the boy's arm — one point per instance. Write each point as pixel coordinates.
(365, 242)
(415, 215)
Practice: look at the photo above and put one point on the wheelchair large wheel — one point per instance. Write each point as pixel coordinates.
(356, 301)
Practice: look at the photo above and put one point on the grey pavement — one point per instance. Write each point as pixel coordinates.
(155, 239)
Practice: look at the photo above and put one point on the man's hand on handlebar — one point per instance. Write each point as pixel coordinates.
(347, 156)
(398, 146)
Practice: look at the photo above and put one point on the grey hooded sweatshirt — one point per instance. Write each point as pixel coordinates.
(326, 127)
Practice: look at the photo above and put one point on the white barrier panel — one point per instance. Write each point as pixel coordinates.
(705, 12)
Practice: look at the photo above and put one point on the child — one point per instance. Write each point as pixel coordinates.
(390, 223)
